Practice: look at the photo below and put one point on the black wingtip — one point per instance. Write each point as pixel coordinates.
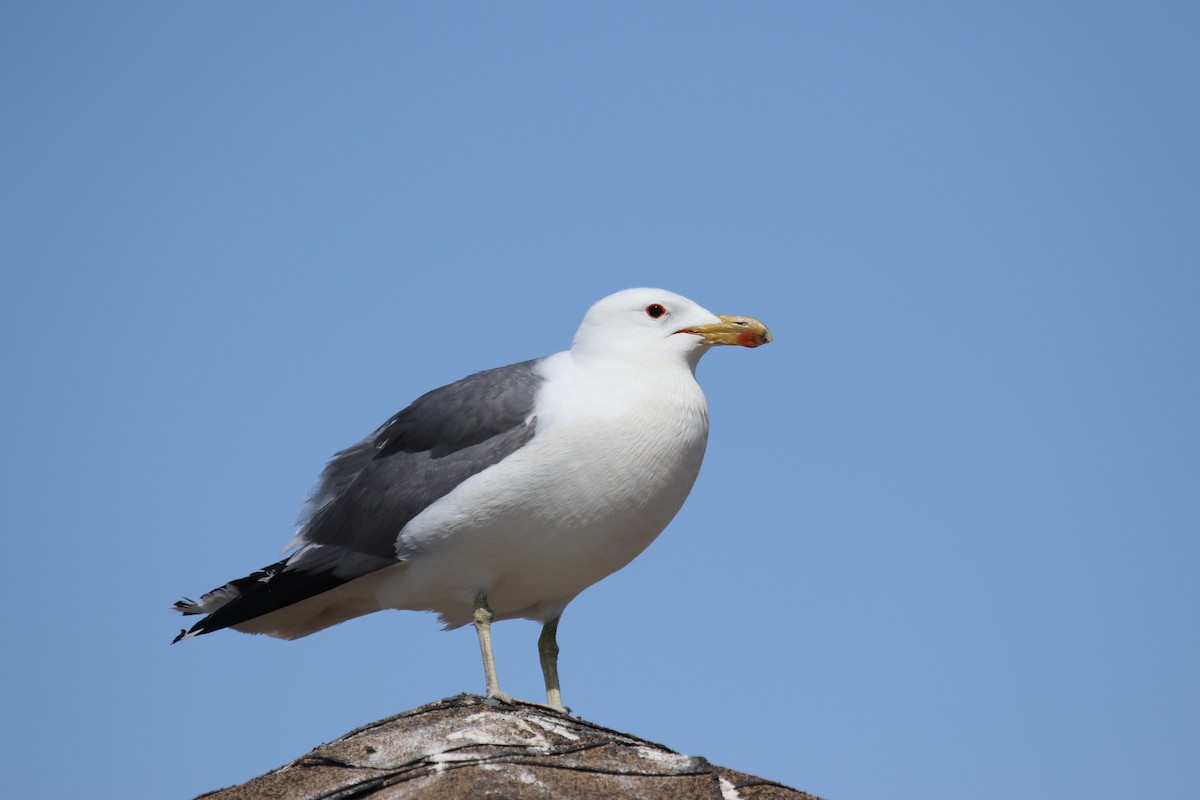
(260, 593)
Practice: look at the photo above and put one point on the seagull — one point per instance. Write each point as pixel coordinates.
(503, 495)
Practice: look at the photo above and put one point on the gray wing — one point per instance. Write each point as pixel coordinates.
(371, 490)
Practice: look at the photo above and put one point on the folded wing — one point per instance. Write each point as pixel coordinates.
(372, 489)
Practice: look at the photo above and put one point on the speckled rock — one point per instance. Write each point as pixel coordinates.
(469, 747)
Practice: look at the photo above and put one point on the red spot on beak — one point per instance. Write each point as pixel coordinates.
(748, 339)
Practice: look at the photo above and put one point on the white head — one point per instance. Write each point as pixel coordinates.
(657, 325)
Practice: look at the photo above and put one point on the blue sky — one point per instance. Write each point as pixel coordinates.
(945, 542)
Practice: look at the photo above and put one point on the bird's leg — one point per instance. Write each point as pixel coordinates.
(483, 627)
(548, 654)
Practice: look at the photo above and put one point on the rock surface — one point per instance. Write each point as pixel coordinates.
(469, 747)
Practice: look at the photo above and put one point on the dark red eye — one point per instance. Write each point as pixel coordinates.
(655, 310)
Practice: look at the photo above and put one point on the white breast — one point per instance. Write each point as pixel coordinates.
(616, 452)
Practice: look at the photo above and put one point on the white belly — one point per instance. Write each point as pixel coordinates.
(609, 467)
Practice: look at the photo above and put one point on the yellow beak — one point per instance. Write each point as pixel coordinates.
(744, 331)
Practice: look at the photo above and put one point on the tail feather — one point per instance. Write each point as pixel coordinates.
(268, 589)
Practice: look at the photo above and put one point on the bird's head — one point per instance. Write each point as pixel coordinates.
(653, 324)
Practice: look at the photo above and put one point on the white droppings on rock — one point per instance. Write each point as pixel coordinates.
(728, 790)
(667, 759)
(517, 732)
(554, 727)
(472, 735)
(536, 739)
(454, 757)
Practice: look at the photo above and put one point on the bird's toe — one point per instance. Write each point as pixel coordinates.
(501, 697)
